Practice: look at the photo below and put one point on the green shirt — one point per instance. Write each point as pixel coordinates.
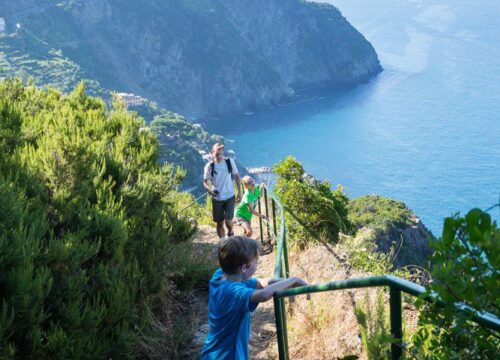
(241, 210)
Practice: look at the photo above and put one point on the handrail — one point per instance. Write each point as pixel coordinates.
(396, 286)
(193, 202)
(482, 318)
(281, 245)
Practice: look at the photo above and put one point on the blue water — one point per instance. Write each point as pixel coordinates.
(426, 131)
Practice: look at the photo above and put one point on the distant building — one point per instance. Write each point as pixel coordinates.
(131, 100)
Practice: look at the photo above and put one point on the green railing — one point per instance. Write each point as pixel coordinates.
(395, 284)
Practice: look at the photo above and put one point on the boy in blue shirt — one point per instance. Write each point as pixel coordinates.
(233, 294)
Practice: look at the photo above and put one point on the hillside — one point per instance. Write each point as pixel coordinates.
(386, 225)
(197, 58)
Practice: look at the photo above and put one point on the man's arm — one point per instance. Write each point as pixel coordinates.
(236, 178)
(267, 292)
(208, 186)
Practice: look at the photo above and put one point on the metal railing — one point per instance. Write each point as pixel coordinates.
(396, 287)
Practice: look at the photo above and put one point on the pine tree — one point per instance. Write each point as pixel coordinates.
(86, 220)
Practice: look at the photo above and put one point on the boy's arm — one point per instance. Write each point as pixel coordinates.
(262, 283)
(267, 293)
(253, 211)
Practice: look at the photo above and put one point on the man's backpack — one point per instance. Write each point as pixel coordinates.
(229, 167)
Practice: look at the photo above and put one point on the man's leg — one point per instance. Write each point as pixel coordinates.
(218, 216)
(220, 229)
(229, 225)
(228, 215)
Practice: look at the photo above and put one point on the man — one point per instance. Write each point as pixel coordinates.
(218, 181)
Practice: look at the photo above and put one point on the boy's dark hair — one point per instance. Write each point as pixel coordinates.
(237, 251)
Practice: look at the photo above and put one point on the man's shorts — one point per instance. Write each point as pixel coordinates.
(223, 210)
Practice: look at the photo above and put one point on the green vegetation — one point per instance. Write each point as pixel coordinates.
(465, 270)
(87, 227)
(28, 55)
(183, 143)
(24, 55)
(374, 327)
(465, 262)
(393, 228)
(379, 213)
(315, 206)
(379, 233)
(465, 267)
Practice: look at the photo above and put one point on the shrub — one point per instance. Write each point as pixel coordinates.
(86, 221)
(373, 322)
(466, 266)
(318, 211)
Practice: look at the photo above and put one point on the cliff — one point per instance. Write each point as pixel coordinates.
(198, 58)
(389, 226)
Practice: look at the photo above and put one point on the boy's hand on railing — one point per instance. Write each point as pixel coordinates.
(298, 283)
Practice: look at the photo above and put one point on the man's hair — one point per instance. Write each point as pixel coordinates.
(217, 146)
(237, 251)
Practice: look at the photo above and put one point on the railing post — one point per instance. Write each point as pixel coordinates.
(273, 206)
(396, 323)
(260, 221)
(285, 328)
(280, 328)
(285, 255)
(267, 214)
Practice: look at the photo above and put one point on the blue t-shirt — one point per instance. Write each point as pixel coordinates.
(229, 309)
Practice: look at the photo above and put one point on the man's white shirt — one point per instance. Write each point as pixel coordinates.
(222, 180)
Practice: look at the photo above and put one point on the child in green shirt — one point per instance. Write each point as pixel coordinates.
(246, 208)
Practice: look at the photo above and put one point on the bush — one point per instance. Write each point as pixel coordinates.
(374, 327)
(86, 221)
(465, 270)
(379, 213)
(318, 211)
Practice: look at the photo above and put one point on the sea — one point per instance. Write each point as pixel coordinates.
(425, 131)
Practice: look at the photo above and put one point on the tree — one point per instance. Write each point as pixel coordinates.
(318, 211)
(465, 270)
(86, 223)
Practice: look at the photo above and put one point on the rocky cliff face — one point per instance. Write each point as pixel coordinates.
(307, 44)
(200, 58)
